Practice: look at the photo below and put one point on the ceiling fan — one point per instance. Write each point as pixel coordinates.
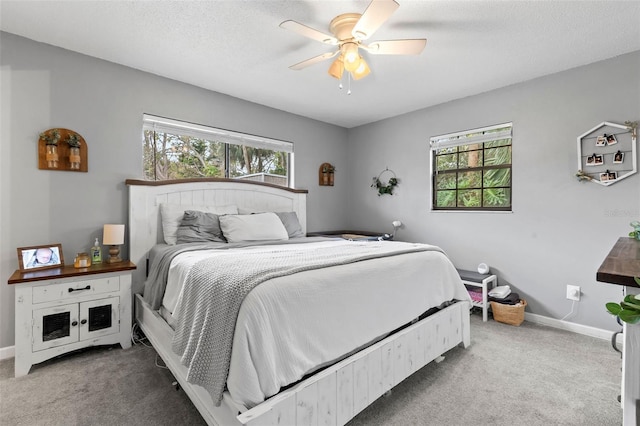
(349, 31)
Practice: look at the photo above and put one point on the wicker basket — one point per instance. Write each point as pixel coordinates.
(509, 314)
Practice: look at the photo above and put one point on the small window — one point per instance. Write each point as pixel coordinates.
(175, 149)
(472, 169)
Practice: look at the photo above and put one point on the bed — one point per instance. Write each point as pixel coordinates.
(312, 345)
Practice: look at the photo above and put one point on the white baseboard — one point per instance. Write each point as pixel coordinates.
(572, 326)
(8, 352)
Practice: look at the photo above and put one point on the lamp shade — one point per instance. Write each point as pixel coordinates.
(350, 56)
(362, 70)
(113, 235)
(337, 68)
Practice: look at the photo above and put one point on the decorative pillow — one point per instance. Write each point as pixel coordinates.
(172, 214)
(198, 227)
(291, 224)
(253, 227)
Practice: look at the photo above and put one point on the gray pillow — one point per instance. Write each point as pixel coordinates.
(197, 226)
(291, 224)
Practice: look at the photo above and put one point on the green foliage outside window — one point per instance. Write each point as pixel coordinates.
(169, 156)
(476, 176)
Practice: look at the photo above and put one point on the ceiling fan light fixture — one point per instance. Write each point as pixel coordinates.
(351, 56)
(362, 71)
(337, 68)
(349, 31)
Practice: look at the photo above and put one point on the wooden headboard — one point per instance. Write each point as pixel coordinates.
(145, 228)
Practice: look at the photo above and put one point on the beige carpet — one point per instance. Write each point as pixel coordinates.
(527, 375)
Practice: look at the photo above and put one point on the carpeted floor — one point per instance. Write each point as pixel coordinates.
(527, 375)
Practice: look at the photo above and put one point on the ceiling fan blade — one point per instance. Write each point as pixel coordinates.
(373, 17)
(309, 32)
(314, 60)
(396, 47)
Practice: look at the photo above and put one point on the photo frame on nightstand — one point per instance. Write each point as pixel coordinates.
(40, 257)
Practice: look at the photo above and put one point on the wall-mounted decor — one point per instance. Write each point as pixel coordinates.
(385, 182)
(326, 174)
(62, 149)
(607, 153)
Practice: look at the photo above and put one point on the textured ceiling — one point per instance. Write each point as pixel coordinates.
(237, 48)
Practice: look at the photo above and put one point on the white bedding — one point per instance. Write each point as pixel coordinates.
(290, 326)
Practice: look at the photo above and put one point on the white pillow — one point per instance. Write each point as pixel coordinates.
(171, 216)
(253, 227)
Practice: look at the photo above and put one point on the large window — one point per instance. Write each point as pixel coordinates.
(175, 149)
(472, 169)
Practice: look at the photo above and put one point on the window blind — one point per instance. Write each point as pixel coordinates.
(167, 125)
(485, 134)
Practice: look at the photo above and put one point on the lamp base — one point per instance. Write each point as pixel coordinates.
(114, 255)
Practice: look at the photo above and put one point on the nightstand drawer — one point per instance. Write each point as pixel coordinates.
(62, 291)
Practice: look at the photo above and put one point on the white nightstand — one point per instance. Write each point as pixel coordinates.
(485, 281)
(64, 309)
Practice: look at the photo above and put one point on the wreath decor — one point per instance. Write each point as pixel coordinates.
(381, 186)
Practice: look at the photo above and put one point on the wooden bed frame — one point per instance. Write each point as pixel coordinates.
(335, 394)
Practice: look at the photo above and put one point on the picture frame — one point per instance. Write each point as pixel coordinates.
(601, 140)
(594, 160)
(35, 258)
(608, 176)
(611, 140)
(618, 157)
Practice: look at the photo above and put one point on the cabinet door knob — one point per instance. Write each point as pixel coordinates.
(84, 321)
(73, 324)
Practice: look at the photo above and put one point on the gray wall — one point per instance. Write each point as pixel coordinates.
(558, 234)
(560, 229)
(44, 87)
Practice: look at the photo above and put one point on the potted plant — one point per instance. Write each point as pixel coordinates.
(73, 140)
(636, 230)
(384, 188)
(629, 309)
(51, 138)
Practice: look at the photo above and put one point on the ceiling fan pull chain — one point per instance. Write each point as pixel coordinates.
(349, 81)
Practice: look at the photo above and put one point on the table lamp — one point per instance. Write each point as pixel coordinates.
(113, 236)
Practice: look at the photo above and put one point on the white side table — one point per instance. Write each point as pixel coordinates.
(63, 309)
(484, 281)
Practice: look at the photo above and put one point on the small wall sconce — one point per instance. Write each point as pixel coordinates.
(62, 149)
(113, 236)
(326, 174)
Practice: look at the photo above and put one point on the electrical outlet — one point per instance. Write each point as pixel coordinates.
(573, 292)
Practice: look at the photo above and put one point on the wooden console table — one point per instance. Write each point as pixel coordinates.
(620, 267)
